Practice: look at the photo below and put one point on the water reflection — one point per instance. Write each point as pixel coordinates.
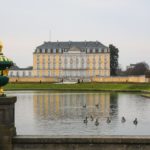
(70, 105)
(62, 113)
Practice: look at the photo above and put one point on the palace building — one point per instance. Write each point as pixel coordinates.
(71, 60)
(60, 62)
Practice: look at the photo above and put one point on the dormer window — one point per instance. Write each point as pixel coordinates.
(105, 50)
(43, 50)
(57, 50)
(48, 50)
(54, 50)
(99, 50)
(88, 50)
(60, 50)
(38, 50)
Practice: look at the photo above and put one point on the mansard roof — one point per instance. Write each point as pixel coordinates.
(67, 45)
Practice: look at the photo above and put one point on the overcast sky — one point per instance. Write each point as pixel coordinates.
(25, 24)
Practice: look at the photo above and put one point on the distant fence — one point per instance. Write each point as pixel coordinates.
(32, 80)
(120, 79)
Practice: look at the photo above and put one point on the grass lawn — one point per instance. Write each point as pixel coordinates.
(81, 86)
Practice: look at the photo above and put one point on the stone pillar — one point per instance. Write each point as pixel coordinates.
(7, 122)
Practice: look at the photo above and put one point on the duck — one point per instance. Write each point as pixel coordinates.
(96, 122)
(97, 105)
(84, 106)
(135, 121)
(108, 120)
(123, 119)
(85, 120)
(91, 118)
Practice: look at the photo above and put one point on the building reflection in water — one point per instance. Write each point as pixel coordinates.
(70, 105)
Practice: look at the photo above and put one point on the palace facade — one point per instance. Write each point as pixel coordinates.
(71, 60)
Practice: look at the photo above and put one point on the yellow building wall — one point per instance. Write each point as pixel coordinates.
(104, 57)
(136, 79)
(32, 79)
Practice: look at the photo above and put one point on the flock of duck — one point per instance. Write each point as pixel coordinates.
(123, 119)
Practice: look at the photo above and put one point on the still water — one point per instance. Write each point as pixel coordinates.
(62, 113)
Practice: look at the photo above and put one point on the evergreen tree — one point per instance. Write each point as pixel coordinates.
(113, 60)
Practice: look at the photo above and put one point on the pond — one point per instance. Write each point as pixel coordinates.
(63, 113)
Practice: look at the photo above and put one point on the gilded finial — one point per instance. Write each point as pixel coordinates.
(1, 46)
(5, 64)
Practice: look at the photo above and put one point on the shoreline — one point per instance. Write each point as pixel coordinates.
(146, 95)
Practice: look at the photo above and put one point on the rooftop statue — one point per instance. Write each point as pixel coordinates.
(5, 64)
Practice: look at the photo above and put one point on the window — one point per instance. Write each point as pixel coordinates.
(105, 50)
(49, 73)
(54, 50)
(99, 50)
(60, 50)
(48, 50)
(43, 50)
(48, 59)
(88, 50)
(43, 65)
(88, 61)
(77, 61)
(49, 65)
(38, 66)
(53, 65)
(29, 74)
(38, 73)
(11, 74)
(71, 61)
(93, 58)
(82, 61)
(93, 50)
(57, 50)
(65, 61)
(24, 74)
(99, 65)
(17, 74)
(38, 50)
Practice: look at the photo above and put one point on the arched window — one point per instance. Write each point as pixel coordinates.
(30, 74)
(17, 74)
(71, 61)
(65, 60)
(11, 74)
(24, 74)
(77, 60)
(82, 61)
